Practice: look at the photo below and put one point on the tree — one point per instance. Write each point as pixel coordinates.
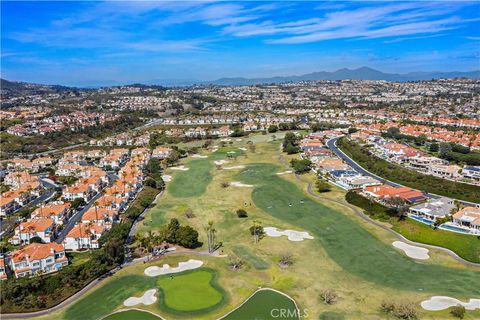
(187, 237)
(210, 236)
(322, 186)
(256, 230)
(445, 150)
(434, 147)
(172, 228)
(328, 296)
(149, 182)
(36, 239)
(352, 130)
(301, 166)
(154, 166)
(286, 260)
(458, 311)
(77, 203)
(398, 207)
(242, 213)
(272, 128)
(235, 263)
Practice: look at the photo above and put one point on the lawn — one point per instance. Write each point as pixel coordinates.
(466, 246)
(246, 254)
(265, 305)
(194, 182)
(351, 246)
(132, 315)
(192, 291)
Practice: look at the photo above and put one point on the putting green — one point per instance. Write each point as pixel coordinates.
(193, 182)
(265, 305)
(351, 246)
(132, 315)
(191, 291)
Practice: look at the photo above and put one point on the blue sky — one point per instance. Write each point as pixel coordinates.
(93, 42)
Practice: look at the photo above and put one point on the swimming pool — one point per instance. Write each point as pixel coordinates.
(422, 220)
(454, 229)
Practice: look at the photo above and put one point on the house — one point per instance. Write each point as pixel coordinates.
(69, 169)
(100, 216)
(38, 258)
(43, 228)
(224, 131)
(58, 211)
(8, 204)
(468, 217)
(84, 236)
(385, 193)
(3, 271)
(111, 202)
(445, 171)
(17, 178)
(42, 162)
(424, 163)
(433, 209)
(250, 126)
(161, 152)
(328, 164)
(83, 191)
(471, 173)
(358, 182)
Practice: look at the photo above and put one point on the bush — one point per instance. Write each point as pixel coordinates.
(458, 311)
(328, 296)
(149, 182)
(322, 186)
(272, 128)
(187, 237)
(301, 166)
(242, 213)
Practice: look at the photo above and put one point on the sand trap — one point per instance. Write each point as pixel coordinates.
(284, 172)
(242, 148)
(292, 235)
(238, 139)
(241, 185)
(199, 156)
(220, 162)
(412, 251)
(441, 302)
(226, 139)
(234, 167)
(214, 149)
(231, 152)
(155, 271)
(180, 168)
(147, 299)
(167, 178)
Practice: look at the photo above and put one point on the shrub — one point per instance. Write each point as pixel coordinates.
(406, 310)
(242, 213)
(225, 184)
(189, 214)
(322, 186)
(286, 259)
(328, 296)
(458, 311)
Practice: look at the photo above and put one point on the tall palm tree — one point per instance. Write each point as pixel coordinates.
(95, 204)
(256, 234)
(210, 236)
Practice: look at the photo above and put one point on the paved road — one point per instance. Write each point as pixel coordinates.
(75, 218)
(332, 144)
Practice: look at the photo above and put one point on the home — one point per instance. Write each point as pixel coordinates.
(358, 182)
(225, 131)
(250, 126)
(38, 258)
(17, 178)
(25, 231)
(433, 209)
(100, 216)
(58, 211)
(111, 202)
(468, 217)
(424, 163)
(42, 162)
(445, 171)
(161, 152)
(386, 192)
(3, 271)
(84, 236)
(76, 191)
(329, 164)
(69, 169)
(471, 173)
(8, 204)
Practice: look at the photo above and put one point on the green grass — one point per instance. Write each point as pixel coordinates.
(350, 245)
(466, 246)
(191, 291)
(265, 305)
(410, 178)
(194, 182)
(247, 255)
(132, 315)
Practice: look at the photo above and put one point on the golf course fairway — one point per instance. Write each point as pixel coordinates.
(198, 171)
(351, 246)
(132, 315)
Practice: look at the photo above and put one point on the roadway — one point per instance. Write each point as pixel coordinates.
(332, 144)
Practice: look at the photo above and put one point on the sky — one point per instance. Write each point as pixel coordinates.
(118, 42)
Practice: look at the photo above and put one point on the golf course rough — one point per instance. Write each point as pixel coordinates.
(350, 245)
(265, 304)
(132, 315)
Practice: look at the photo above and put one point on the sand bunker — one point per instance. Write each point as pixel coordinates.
(234, 167)
(220, 162)
(167, 178)
(292, 235)
(242, 148)
(147, 299)
(440, 303)
(284, 172)
(412, 251)
(180, 168)
(199, 156)
(226, 139)
(231, 152)
(241, 185)
(155, 271)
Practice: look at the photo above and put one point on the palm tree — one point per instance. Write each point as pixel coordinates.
(255, 230)
(95, 204)
(210, 236)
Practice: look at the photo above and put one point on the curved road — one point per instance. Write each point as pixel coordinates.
(359, 213)
(332, 145)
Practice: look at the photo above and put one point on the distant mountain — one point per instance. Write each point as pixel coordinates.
(15, 87)
(363, 73)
